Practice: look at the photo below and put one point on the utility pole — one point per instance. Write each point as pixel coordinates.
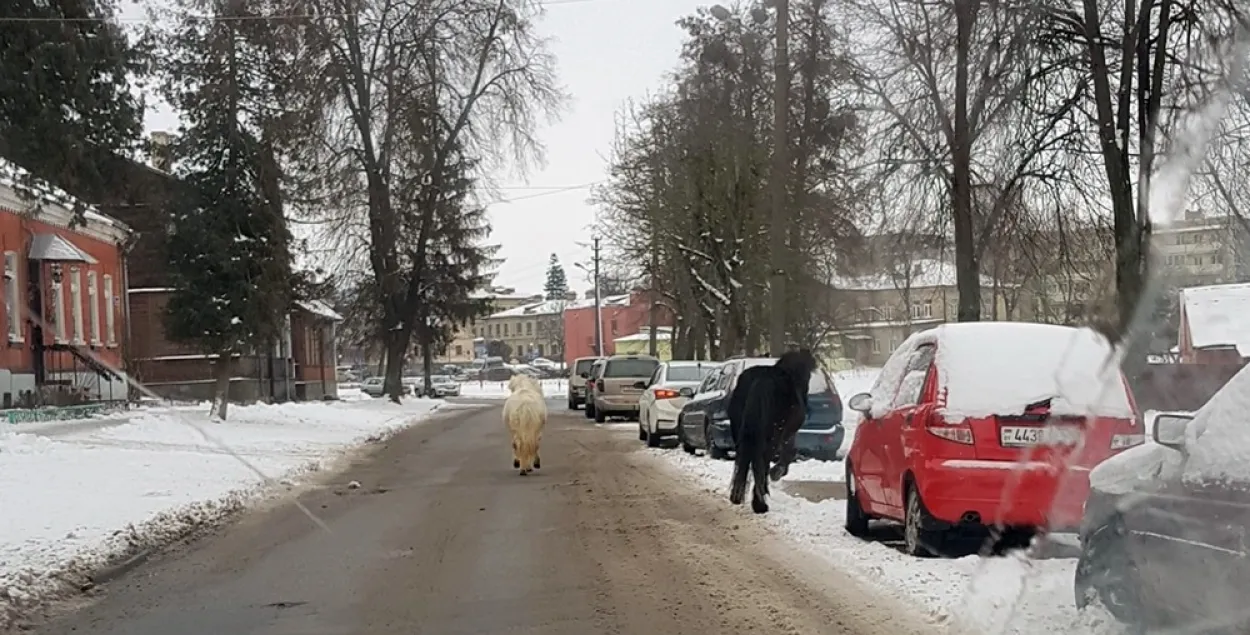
(777, 185)
(598, 307)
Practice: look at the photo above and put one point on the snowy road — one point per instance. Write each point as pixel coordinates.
(442, 537)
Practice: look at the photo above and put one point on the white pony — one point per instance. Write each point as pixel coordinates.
(525, 414)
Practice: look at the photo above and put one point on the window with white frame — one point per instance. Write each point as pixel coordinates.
(109, 331)
(12, 297)
(58, 311)
(93, 305)
(75, 298)
(921, 310)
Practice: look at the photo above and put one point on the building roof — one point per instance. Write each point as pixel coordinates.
(552, 307)
(1216, 316)
(925, 273)
(320, 309)
(54, 204)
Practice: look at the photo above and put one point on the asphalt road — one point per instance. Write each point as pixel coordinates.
(444, 538)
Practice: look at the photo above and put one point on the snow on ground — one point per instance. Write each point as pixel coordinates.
(499, 389)
(76, 501)
(1010, 594)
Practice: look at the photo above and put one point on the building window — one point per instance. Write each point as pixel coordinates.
(12, 297)
(876, 345)
(110, 331)
(58, 311)
(922, 310)
(505, 330)
(459, 350)
(93, 302)
(540, 350)
(529, 328)
(75, 298)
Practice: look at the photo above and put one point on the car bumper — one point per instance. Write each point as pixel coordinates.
(824, 445)
(617, 404)
(577, 394)
(1005, 493)
(720, 435)
(665, 412)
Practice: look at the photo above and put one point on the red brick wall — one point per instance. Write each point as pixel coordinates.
(310, 347)
(16, 232)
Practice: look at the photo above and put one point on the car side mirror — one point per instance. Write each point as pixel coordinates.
(861, 402)
(1169, 430)
(686, 392)
(640, 384)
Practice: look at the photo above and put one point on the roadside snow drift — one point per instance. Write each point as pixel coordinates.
(75, 502)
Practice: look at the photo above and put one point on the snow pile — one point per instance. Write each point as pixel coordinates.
(1012, 594)
(77, 502)
(499, 389)
(999, 368)
(1217, 440)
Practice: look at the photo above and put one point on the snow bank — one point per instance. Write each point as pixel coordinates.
(1001, 595)
(499, 389)
(999, 368)
(76, 502)
(1218, 440)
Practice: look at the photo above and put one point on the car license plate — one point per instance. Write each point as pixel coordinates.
(1026, 436)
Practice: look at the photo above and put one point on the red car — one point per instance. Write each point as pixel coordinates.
(986, 424)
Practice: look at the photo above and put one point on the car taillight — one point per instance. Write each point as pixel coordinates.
(664, 393)
(959, 433)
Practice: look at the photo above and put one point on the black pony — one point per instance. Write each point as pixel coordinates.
(766, 410)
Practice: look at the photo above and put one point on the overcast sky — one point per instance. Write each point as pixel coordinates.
(609, 51)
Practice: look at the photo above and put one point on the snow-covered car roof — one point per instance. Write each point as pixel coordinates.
(1000, 368)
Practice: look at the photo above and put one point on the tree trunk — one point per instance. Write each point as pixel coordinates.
(396, 347)
(967, 270)
(427, 360)
(221, 387)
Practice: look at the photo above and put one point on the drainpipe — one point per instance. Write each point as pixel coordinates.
(124, 298)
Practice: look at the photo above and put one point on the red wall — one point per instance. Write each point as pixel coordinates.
(618, 321)
(16, 232)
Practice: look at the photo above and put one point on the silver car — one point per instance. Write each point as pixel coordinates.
(668, 389)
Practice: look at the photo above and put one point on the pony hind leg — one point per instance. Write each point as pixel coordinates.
(759, 476)
(516, 459)
(742, 465)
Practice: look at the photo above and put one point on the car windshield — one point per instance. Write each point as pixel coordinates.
(630, 368)
(689, 372)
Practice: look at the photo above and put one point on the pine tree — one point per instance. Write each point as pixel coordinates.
(66, 102)
(229, 250)
(557, 283)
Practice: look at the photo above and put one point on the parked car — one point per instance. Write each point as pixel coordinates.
(1163, 542)
(666, 391)
(578, 381)
(592, 377)
(704, 420)
(440, 385)
(617, 386)
(822, 432)
(986, 424)
(372, 386)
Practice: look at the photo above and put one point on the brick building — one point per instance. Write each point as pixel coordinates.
(64, 282)
(622, 315)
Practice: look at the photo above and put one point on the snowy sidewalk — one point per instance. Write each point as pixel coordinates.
(77, 500)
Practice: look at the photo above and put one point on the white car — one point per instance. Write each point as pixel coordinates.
(372, 386)
(672, 384)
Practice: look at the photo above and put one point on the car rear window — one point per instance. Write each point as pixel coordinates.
(630, 368)
(583, 366)
(689, 372)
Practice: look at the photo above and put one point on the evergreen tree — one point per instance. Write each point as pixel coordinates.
(557, 283)
(66, 101)
(229, 250)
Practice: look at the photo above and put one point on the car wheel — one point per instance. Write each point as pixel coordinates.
(712, 451)
(642, 433)
(856, 519)
(600, 416)
(590, 410)
(572, 405)
(681, 437)
(1104, 571)
(653, 438)
(918, 541)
